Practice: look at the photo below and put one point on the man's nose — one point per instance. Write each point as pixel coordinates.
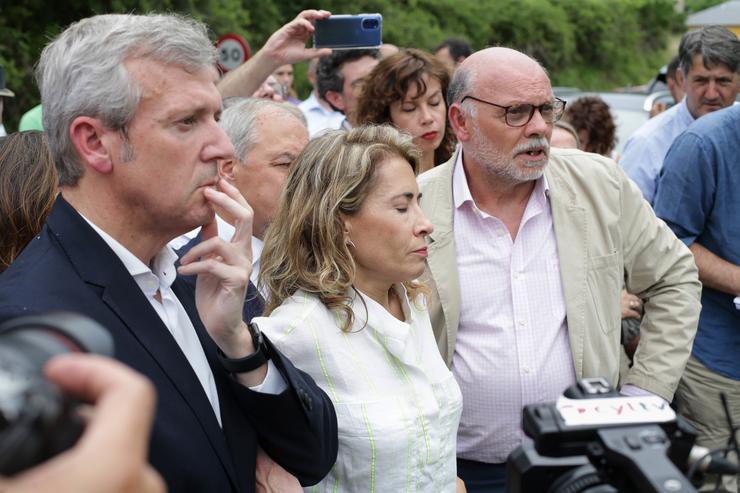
(536, 125)
(220, 146)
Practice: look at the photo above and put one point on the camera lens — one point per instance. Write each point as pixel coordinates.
(37, 420)
(370, 23)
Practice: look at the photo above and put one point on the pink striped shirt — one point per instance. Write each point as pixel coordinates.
(512, 345)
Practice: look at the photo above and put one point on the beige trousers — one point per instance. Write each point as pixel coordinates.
(699, 402)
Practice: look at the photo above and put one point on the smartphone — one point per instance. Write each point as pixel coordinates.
(345, 32)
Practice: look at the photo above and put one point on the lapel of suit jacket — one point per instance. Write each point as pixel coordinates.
(98, 265)
(442, 260)
(571, 236)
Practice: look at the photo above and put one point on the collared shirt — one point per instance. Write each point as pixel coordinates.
(160, 278)
(512, 346)
(319, 118)
(643, 154)
(397, 404)
(698, 199)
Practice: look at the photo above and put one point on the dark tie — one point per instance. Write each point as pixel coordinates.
(254, 305)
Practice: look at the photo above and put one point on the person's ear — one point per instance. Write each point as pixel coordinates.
(460, 122)
(680, 77)
(346, 227)
(93, 142)
(336, 100)
(227, 169)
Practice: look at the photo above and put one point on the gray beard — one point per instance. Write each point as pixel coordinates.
(502, 168)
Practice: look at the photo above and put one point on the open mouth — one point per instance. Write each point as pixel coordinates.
(535, 154)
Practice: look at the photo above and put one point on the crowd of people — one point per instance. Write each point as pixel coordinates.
(361, 291)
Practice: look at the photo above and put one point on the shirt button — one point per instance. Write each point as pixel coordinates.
(522, 323)
(527, 370)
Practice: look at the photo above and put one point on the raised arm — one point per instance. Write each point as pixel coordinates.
(286, 45)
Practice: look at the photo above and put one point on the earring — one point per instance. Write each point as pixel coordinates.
(349, 243)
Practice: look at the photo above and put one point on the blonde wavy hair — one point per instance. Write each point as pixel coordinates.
(305, 246)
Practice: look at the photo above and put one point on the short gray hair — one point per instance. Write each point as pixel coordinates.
(715, 44)
(82, 72)
(239, 120)
(460, 86)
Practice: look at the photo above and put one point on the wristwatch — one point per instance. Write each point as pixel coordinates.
(250, 362)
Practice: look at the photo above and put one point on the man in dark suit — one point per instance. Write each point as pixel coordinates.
(131, 109)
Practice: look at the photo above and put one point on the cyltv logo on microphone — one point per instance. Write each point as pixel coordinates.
(614, 411)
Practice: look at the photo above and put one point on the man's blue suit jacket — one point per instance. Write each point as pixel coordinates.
(69, 267)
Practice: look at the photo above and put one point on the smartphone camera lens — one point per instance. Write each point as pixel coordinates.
(370, 23)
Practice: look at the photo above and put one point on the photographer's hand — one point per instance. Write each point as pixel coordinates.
(286, 45)
(111, 456)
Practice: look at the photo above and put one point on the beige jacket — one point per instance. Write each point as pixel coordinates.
(607, 236)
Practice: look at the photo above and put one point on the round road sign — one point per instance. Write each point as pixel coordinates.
(233, 50)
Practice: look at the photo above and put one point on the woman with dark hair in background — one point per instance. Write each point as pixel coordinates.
(593, 121)
(340, 262)
(408, 90)
(28, 186)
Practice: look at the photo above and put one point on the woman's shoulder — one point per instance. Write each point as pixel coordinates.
(292, 313)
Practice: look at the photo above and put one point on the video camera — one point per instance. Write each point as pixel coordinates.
(37, 421)
(595, 440)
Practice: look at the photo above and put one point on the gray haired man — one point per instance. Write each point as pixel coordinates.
(131, 109)
(267, 137)
(709, 62)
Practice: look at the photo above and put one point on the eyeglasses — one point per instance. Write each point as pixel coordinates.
(519, 115)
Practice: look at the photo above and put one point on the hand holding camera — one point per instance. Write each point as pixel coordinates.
(38, 419)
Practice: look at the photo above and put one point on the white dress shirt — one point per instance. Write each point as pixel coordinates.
(397, 404)
(173, 315)
(170, 310)
(319, 118)
(512, 345)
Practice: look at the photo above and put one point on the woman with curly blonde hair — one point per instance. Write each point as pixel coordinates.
(340, 263)
(408, 90)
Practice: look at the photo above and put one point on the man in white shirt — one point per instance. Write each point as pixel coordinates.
(527, 259)
(131, 109)
(267, 137)
(319, 115)
(339, 79)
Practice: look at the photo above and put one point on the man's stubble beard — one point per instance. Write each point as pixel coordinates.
(503, 168)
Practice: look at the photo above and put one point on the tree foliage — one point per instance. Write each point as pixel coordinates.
(593, 44)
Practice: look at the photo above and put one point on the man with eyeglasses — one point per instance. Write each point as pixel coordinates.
(529, 253)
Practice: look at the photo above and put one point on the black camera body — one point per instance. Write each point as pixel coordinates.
(594, 440)
(37, 421)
